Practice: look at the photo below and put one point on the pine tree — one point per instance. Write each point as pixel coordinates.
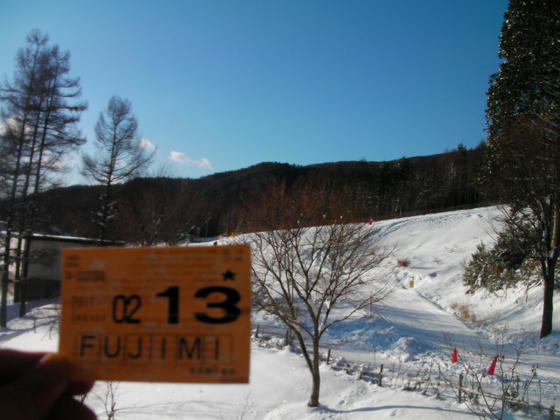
(523, 154)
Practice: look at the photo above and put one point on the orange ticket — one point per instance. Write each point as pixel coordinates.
(157, 314)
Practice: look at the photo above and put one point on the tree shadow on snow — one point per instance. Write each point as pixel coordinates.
(392, 407)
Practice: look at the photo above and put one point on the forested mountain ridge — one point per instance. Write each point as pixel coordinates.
(164, 209)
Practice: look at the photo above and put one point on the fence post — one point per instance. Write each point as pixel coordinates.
(287, 337)
(380, 380)
(460, 387)
(329, 356)
(257, 332)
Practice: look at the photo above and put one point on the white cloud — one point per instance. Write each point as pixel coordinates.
(147, 145)
(205, 164)
(184, 159)
(12, 122)
(178, 157)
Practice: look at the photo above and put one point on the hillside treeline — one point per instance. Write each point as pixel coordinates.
(168, 209)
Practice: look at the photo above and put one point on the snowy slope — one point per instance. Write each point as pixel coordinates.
(415, 327)
(438, 246)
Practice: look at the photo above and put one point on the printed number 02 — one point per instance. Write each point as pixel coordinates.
(125, 307)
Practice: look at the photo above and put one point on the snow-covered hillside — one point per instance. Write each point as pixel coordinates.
(412, 333)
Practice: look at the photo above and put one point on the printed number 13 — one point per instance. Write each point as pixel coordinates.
(229, 305)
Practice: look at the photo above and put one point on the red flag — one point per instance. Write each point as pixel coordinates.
(492, 367)
(455, 356)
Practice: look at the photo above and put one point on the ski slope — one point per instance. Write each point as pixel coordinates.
(413, 328)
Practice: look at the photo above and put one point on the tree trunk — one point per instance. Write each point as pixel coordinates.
(546, 325)
(8, 235)
(5, 278)
(548, 265)
(23, 280)
(315, 374)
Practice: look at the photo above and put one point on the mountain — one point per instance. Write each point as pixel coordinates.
(154, 209)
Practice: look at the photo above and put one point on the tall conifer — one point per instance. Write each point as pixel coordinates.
(523, 159)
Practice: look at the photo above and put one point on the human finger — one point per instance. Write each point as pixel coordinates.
(79, 388)
(67, 407)
(14, 363)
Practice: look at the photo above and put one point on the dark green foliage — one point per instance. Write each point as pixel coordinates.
(523, 155)
(523, 102)
(508, 263)
(476, 271)
(526, 82)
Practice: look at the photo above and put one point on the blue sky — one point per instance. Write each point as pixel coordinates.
(222, 85)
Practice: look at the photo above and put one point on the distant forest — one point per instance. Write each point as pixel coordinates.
(169, 209)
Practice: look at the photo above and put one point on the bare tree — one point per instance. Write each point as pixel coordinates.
(312, 278)
(38, 126)
(54, 133)
(120, 156)
(145, 217)
(19, 103)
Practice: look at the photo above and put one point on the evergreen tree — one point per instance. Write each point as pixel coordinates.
(523, 154)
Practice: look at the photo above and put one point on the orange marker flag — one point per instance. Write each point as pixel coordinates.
(492, 367)
(455, 358)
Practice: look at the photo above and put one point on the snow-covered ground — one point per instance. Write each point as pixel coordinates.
(412, 333)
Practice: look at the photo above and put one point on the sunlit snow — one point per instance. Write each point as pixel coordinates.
(412, 332)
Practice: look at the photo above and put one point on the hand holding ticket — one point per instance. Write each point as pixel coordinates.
(157, 314)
